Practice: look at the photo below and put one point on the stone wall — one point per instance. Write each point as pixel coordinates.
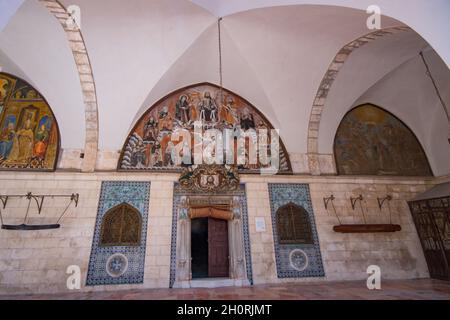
(36, 261)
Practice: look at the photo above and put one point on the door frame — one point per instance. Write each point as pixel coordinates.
(237, 261)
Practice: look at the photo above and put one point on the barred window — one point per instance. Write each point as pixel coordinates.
(121, 226)
(293, 225)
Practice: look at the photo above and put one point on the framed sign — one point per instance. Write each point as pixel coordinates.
(260, 224)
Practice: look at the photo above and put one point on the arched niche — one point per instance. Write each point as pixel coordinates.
(293, 225)
(150, 145)
(372, 141)
(121, 226)
(29, 133)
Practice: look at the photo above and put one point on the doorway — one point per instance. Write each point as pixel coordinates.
(209, 248)
(432, 220)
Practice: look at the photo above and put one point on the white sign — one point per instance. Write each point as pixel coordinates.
(260, 224)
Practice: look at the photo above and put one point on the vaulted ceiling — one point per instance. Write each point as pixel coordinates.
(275, 54)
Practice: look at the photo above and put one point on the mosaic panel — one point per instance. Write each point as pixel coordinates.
(295, 260)
(29, 134)
(159, 136)
(116, 265)
(179, 193)
(371, 141)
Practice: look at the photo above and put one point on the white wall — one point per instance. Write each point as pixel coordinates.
(36, 261)
(428, 18)
(8, 9)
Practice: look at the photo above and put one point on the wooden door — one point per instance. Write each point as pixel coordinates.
(432, 220)
(218, 252)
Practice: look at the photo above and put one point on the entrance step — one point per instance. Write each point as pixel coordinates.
(212, 283)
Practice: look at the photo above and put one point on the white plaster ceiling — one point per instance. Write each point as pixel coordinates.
(274, 56)
(428, 18)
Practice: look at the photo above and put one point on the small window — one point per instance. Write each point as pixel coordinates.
(121, 226)
(293, 225)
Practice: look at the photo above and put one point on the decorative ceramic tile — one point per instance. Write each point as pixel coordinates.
(119, 265)
(179, 193)
(295, 260)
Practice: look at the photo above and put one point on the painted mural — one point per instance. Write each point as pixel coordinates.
(371, 141)
(150, 145)
(29, 136)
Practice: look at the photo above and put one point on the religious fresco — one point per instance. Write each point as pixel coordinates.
(150, 145)
(371, 141)
(29, 135)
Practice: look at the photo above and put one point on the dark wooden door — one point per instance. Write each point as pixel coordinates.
(432, 220)
(218, 252)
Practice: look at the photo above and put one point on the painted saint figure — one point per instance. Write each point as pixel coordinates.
(22, 150)
(183, 110)
(42, 136)
(138, 156)
(228, 114)
(169, 159)
(165, 120)
(247, 120)
(208, 108)
(151, 131)
(6, 141)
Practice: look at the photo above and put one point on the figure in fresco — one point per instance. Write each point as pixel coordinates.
(157, 157)
(165, 120)
(42, 136)
(151, 131)
(247, 120)
(4, 86)
(6, 140)
(186, 155)
(31, 94)
(183, 110)
(228, 114)
(18, 95)
(22, 150)
(208, 108)
(138, 156)
(168, 155)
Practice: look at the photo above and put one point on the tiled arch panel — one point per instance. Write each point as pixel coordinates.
(295, 260)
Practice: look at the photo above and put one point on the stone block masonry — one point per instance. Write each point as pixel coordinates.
(36, 261)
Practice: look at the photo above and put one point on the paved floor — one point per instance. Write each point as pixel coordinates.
(391, 290)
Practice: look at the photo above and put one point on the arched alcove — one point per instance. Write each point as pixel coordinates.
(372, 141)
(121, 226)
(152, 143)
(293, 225)
(29, 133)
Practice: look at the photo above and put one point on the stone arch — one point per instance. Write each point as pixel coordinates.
(83, 64)
(29, 132)
(372, 141)
(325, 87)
